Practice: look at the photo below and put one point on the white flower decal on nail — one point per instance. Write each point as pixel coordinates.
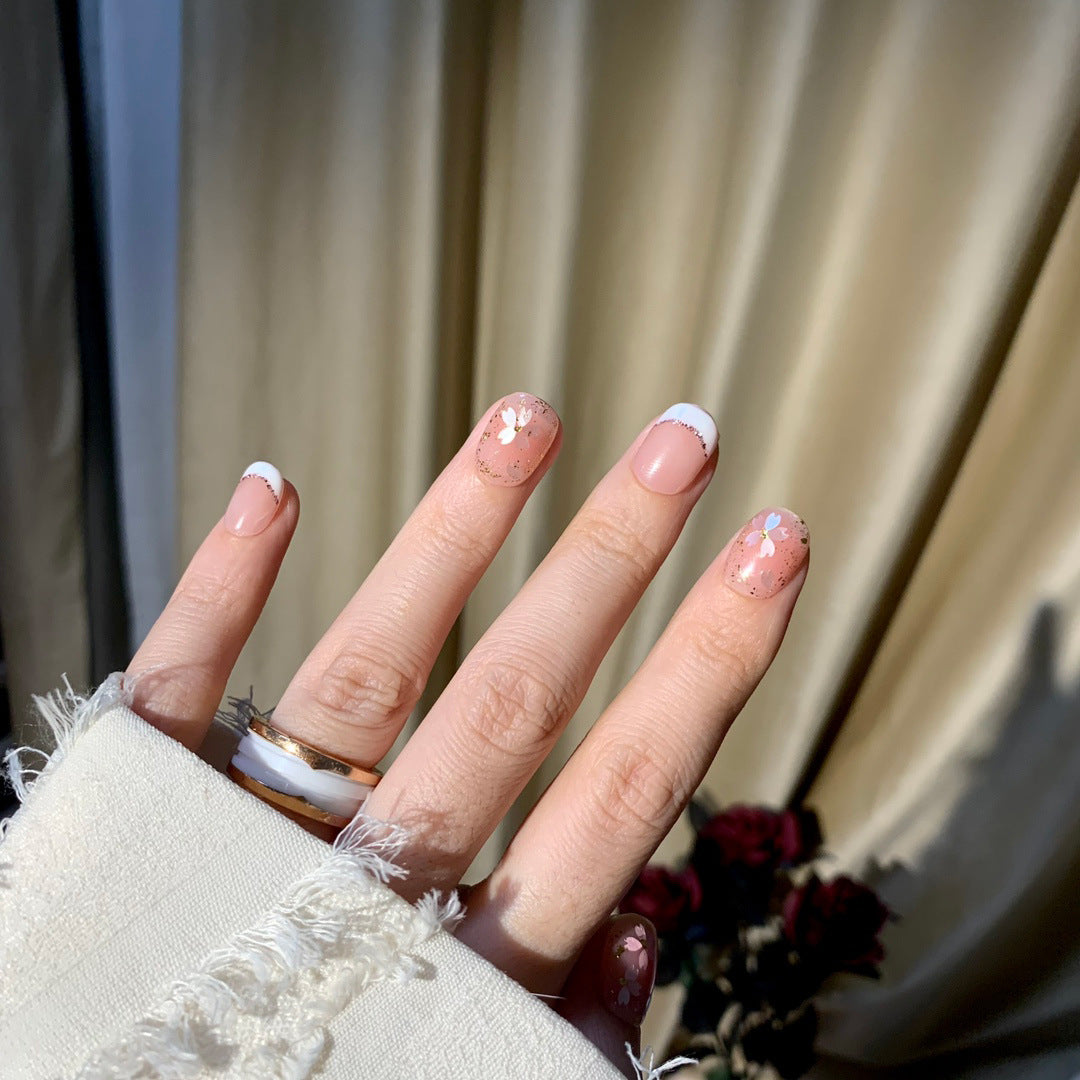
(761, 535)
(514, 422)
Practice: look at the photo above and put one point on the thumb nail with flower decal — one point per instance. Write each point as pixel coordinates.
(629, 967)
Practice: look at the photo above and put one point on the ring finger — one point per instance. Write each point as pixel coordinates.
(633, 774)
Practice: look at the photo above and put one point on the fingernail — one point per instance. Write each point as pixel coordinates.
(675, 450)
(519, 433)
(629, 967)
(768, 552)
(255, 500)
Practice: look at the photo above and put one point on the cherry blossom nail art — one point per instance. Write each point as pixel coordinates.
(768, 552)
(629, 967)
(518, 435)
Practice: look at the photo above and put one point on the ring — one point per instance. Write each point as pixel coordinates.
(296, 803)
(317, 759)
(293, 775)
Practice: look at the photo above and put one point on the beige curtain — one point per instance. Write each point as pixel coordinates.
(955, 778)
(849, 229)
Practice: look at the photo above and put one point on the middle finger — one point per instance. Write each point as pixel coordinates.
(353, 693)
(511, 698)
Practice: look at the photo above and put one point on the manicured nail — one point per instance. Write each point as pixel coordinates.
(519, 433)
(768, 552)
(255, 500)
(629, 967)
(675, 450)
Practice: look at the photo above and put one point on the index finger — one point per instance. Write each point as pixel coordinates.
(183, 666)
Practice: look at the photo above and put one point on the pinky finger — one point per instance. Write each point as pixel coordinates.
(609, 987)
(183, 666)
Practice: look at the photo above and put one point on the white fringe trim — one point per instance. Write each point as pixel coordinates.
(259, 1006)
(67, 714)
(286, 977)
(649, 1070)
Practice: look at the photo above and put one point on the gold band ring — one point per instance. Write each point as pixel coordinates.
(297, 803)
(317, 759)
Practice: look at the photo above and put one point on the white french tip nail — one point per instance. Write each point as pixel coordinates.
(695, 417)
(270, 473)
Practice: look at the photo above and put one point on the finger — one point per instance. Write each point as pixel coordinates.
(614, 801)
(184, 664)
(609, 988)
(354, 692)
(508, 702)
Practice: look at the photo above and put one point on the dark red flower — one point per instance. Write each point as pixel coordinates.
(837, 923)
(663, 896)
(756, 836)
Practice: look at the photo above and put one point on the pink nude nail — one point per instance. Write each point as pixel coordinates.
(255, 500)
(519, 433)
(769, 551)
(675, 450)
(629, 967)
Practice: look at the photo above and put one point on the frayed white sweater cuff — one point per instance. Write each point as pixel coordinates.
(158, 921)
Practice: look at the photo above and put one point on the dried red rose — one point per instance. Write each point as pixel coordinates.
(837, 923)
(755, 836)
(663, 896)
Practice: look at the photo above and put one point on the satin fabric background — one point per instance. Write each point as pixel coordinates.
(851, 231)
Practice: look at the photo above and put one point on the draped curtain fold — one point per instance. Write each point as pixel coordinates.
(849, 230)
(43, 563)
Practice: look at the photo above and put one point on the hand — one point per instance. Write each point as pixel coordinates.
(542, 916)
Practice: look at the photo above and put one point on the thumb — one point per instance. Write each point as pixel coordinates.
(609, 988)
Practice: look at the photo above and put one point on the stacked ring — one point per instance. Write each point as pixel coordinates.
(289, 773)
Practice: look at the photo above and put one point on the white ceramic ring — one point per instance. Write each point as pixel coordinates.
(276, 768)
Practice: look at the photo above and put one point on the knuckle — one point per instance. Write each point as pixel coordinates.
(608, 539)
(369, 687)
(164, 691)
(632, 790)
(721, 647)
(215, 594)
(449, 538)
(514, 707)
